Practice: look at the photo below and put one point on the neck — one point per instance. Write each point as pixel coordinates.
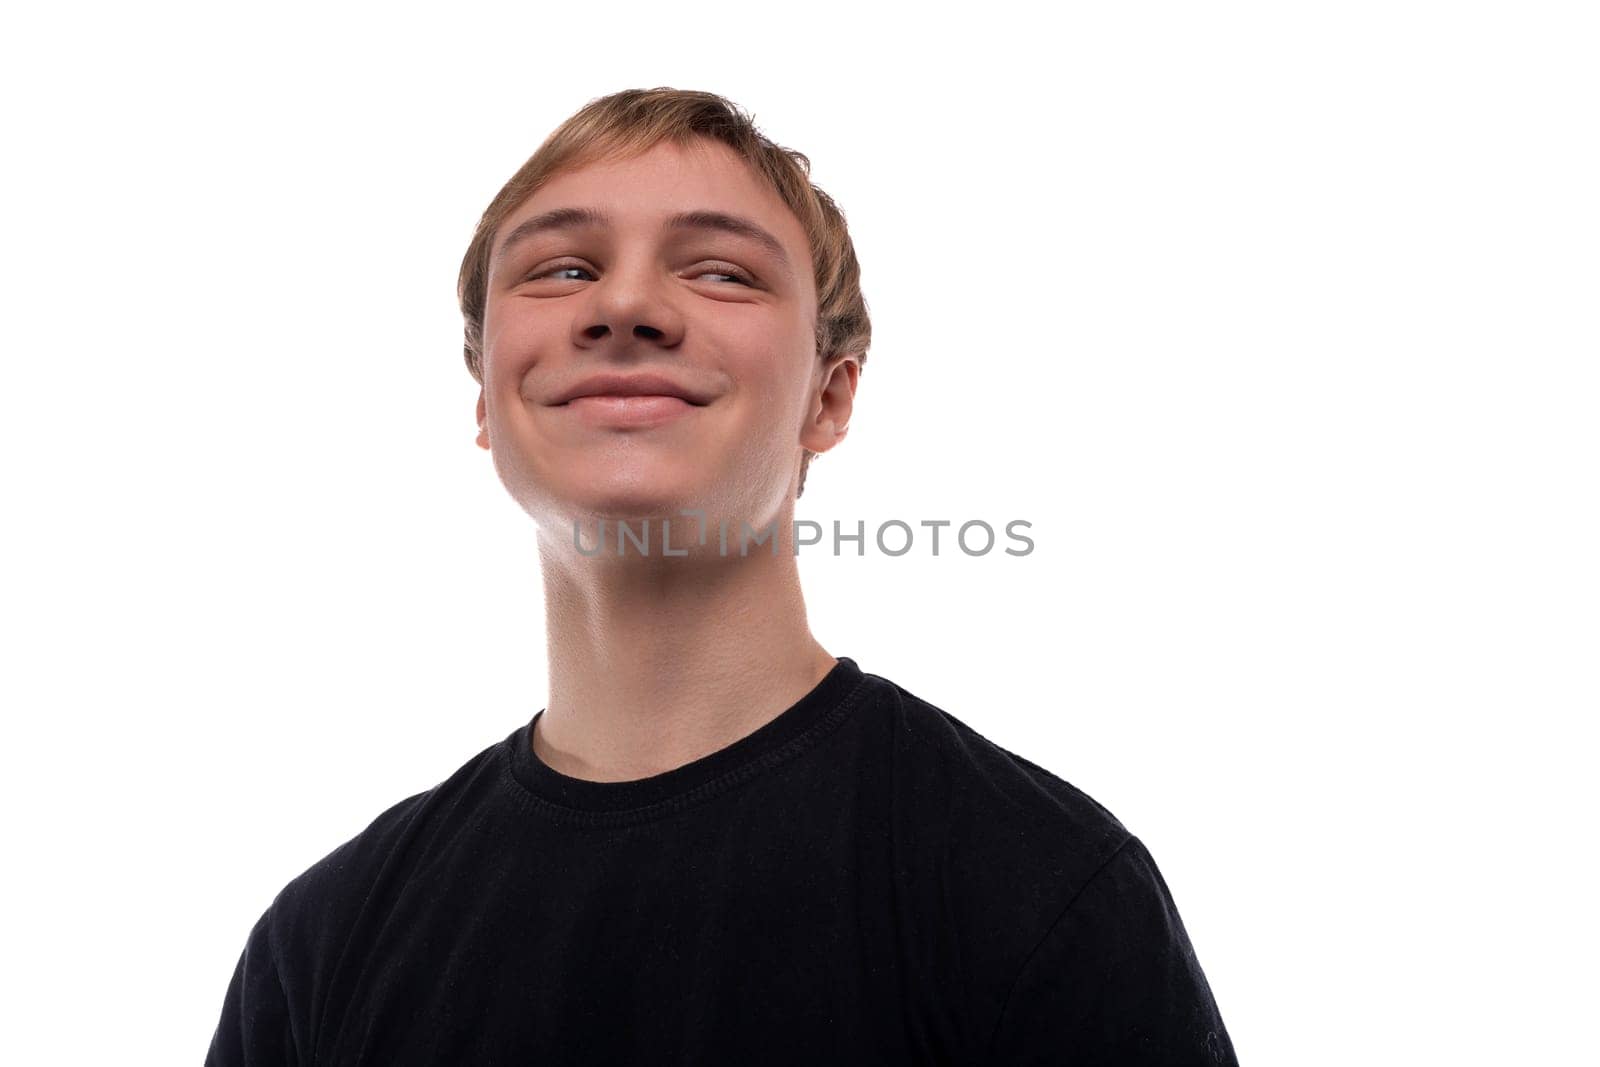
(657, 662)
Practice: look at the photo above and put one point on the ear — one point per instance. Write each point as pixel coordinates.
(828, 419)
(483, 422)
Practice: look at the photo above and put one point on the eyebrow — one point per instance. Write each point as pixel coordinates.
(571, 218)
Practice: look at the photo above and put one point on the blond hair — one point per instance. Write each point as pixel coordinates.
(636, 120)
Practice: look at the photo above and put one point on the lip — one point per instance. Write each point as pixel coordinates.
(634, 410)
(631, 386)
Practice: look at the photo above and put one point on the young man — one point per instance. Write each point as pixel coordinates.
(717, 842)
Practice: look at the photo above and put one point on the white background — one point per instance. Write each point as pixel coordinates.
(1277, 321)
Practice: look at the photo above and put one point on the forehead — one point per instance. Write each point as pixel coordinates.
(644, 190)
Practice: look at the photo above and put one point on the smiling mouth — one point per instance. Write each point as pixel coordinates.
(633, 409)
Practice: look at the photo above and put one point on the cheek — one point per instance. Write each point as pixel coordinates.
(770, 373)
(511, 347)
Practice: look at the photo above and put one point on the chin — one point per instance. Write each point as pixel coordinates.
(616, 495)
(587, 491)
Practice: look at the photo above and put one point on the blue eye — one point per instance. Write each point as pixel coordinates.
(559, 269)
(730, 273)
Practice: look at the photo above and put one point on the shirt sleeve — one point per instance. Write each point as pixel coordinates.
(254, 1030)
(1115, 980)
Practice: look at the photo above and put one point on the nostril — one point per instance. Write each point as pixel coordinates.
(647, 331)
(594, 333)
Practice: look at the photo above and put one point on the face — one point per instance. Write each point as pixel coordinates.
(673, 293)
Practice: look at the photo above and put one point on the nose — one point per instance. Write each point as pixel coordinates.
(629, 303)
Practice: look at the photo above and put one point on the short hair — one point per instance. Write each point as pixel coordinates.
(634, 121)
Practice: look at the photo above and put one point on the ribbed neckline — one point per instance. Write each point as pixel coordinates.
(615, 803)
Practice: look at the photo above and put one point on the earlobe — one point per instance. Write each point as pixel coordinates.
(483, 422)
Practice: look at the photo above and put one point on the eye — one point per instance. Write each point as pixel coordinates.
(547, 272)
(726, 270)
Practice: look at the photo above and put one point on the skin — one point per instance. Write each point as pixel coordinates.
(656, 661)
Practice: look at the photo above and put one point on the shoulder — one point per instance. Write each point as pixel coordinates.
(1006, 843)
(996, 801)
(313, 913)
(1115, 979)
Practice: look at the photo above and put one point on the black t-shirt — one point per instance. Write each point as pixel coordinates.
(863, 879)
